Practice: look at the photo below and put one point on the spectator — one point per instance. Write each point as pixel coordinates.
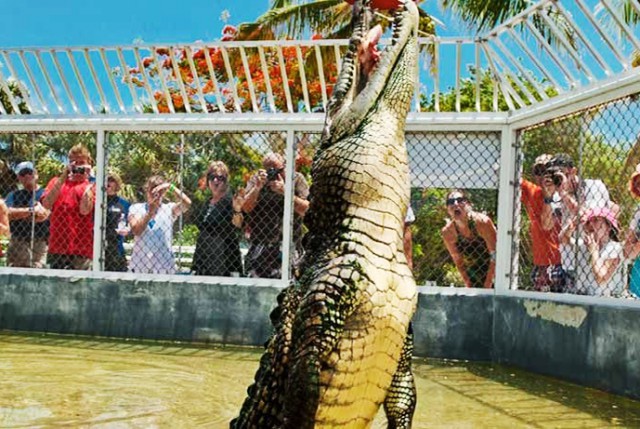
(407, 237)
(576, 197)
(152, 227)
(264, 205)
(70, 197)
(632, 241)
(29, 221)
(538, 199)
(4, 222)
(470, 238)
(598, 269)
(117, 226)
(218, 246)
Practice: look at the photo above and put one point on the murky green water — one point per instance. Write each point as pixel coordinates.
(68, 382)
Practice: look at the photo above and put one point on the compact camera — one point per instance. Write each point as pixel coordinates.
(273, 173)
(556, 175)
(79, 170)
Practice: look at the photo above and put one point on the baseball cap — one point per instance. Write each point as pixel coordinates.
(25, 165)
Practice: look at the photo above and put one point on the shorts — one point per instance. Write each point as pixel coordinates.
(22, 254)
(549, 278)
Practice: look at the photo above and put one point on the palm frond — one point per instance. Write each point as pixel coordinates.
(627, 13)
(296, 21)
(485, 14)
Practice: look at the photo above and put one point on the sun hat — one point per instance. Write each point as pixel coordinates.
(25, 165)
(113, 175)
(635, 192)
(603, 212)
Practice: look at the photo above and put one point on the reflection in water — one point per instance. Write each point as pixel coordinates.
(54, 381)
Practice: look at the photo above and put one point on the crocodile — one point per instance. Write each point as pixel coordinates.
(342, 344)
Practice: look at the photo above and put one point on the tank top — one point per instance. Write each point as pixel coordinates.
(474, 254)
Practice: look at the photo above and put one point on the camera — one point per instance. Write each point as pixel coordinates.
(556, 175)
(273, 173)
(79, 170)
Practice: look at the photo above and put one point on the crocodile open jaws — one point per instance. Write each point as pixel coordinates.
(341, 345)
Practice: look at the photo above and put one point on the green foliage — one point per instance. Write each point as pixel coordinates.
(137, 156)
(488, 87)
(431, 259)
(16, 91)
(48, 151)
(186, 237)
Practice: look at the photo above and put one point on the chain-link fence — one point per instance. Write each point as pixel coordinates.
(577, 211)
(212, 203)
(172, 203)
(51, 220)
(454, 180)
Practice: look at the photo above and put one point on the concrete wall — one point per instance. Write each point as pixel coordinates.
(595, 345)
(152, 309)
(454, 325)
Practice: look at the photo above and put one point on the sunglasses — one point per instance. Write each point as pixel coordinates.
(459, 200)
(25, 172)
(218, 177)
(539, 169)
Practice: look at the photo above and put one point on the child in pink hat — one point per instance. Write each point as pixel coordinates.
(600, 272)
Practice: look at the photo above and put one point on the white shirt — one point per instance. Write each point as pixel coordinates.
(152, 250)
(591, 194)
(586, 280)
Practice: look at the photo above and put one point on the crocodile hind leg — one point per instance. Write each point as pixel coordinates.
(400, 402)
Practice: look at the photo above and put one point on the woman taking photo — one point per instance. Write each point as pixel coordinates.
(152, 226)
(218, 246)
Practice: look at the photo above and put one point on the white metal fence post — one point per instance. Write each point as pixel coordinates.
(506, 193)
(288, 217)
(98, 214)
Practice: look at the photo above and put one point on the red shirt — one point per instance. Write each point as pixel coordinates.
(70, 233)
(543, 243)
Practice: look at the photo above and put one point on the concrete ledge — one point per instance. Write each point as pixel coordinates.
(594, 345)
(454, 326)
(150, 309)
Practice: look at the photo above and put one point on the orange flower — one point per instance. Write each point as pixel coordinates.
(177, 100)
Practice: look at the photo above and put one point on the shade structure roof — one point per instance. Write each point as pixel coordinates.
(551, 48)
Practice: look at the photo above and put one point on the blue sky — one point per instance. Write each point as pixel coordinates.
(47, 23)
(100, 22)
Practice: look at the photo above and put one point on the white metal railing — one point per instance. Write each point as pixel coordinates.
(552, 47)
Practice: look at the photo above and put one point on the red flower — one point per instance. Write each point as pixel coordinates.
(229, 29)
